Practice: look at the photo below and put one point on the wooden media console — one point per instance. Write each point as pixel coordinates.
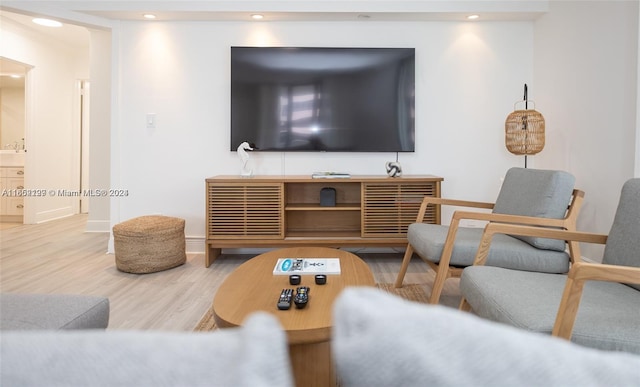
(280, 211)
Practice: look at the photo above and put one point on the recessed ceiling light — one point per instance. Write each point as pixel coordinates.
(16, 76)
(257, 16)
(473, 17)
(47, 22)
(149, 16)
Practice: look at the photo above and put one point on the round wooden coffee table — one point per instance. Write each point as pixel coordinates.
(253, 287)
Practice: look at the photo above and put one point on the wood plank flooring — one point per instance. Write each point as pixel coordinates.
(59, 257)
(6, 225)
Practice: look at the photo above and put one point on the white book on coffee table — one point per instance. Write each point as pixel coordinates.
(287, 266)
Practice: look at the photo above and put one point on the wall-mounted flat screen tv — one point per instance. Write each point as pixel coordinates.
(323, 99)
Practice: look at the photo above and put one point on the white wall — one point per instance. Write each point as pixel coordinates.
(637, 170)
(100, 133)
(50, 160)
(585, 71)
(468, 77)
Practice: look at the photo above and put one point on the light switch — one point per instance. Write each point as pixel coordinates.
(151, 120)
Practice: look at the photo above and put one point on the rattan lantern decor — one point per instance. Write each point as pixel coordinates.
(524, 130)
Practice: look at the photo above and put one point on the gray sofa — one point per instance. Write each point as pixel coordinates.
(382, 340)
(379, 340)
(53, 311)
(254, 355)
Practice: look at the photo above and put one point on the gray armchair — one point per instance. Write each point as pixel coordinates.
(596, 305)
(528, 196)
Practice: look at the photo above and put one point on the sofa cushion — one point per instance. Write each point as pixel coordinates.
(254, 355)
(538, 193)
(428, 241)
(53, 311)
(382, 340)
(608, 316)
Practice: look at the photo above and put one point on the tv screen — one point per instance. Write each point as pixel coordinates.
(323, 99)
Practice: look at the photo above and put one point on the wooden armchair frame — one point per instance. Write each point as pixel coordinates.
(579, 273)
(444, 270)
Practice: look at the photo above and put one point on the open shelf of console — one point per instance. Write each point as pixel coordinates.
(279, 211)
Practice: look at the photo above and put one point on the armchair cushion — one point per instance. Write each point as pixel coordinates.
(608, 316)
(428, 241)
(623, 244)
(383, 340)
(538, 193)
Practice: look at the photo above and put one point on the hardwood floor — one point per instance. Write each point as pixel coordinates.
(6, 225)
(60, 257)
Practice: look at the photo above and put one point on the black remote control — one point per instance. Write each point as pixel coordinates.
(284, 302)
(302, 297)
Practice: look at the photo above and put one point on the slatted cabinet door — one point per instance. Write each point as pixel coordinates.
(245, 211)
(389, 208)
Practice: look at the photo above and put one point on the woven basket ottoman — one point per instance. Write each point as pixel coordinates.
(148, 244)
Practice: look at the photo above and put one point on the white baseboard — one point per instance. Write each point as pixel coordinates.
(194, 245)
(98, 226)
(58, 213)
(110, 249)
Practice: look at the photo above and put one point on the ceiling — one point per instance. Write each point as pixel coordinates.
(283, 10)
(307, 16)
(69, 34)
(79, 14)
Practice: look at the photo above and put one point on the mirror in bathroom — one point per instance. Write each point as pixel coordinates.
(12, 105)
